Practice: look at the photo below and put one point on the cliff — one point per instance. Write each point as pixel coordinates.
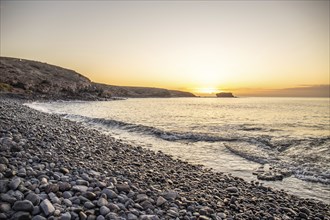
(37, 80)
(32, 79)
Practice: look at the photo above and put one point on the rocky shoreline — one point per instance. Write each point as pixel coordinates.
(52, 168)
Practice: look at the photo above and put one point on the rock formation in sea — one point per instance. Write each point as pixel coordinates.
(225, 95)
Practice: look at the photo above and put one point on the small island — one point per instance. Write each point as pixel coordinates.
(225, 95)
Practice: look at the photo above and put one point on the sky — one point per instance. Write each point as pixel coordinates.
(246, 47)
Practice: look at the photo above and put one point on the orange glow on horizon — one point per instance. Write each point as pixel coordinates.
(205, 91)
(242, 47)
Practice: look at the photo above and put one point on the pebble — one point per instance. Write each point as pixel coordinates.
(170, 195)
(160, 201)
(149, 217)
(303, 215)
(24, 205)
(5, 197)
(66, 195)
(111, 215)
(100, 217)
(80, 188)
(67, 202)
(110, 193)
(5, 207)
(89, 205)
(52, 188)
(47, 207)
(232, 189)
(131, 216)
(82, 215)
(123, 187)
(172, 213)
(64, 170)
(38, 217)
(305, 210)
(66, 216)
(90, 195)
(3, 168)
(33, 198)
(21, 172)
(14, 183)
(104, 210)
(3, 185)
(102, 202)
(82, 182)
(57, 212)
(20, 215)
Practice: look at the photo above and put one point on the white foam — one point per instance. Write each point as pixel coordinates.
(38, 106)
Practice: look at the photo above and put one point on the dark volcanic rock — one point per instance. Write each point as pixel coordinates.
(21, 216)
(123, 187)
(14, 183)
(24, 205)
(34, 198)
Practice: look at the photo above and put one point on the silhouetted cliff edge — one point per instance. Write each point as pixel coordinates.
(37, 80)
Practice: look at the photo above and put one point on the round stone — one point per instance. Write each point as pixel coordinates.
(102, 202)
(14, 183)
(33, 198)
(104, 210)
(24, 205)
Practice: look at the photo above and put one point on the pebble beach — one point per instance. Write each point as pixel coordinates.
(53, 168)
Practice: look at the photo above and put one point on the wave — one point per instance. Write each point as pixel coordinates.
(148, 130)
(265, 142)
(38, 107)
(296, 161)
(258, 148)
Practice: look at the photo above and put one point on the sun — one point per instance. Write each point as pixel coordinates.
(207, 90)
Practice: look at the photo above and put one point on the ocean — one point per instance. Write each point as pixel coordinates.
(240, 136)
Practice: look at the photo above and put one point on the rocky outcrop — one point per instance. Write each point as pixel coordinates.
(36, 80)
(176, 93)
(225, 95)
(141, 92)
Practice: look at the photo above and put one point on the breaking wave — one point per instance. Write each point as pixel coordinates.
(286, 154)
(148, 130)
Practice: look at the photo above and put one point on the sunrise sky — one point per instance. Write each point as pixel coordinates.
(247, 47)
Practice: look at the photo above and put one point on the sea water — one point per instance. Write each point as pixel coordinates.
(231, 135)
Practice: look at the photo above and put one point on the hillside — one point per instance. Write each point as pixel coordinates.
(140, 92)
(37, 80)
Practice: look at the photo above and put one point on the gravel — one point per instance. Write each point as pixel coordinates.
(52, 168)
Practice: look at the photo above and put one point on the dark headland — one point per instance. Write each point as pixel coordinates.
(36, 80)
(53, 168)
